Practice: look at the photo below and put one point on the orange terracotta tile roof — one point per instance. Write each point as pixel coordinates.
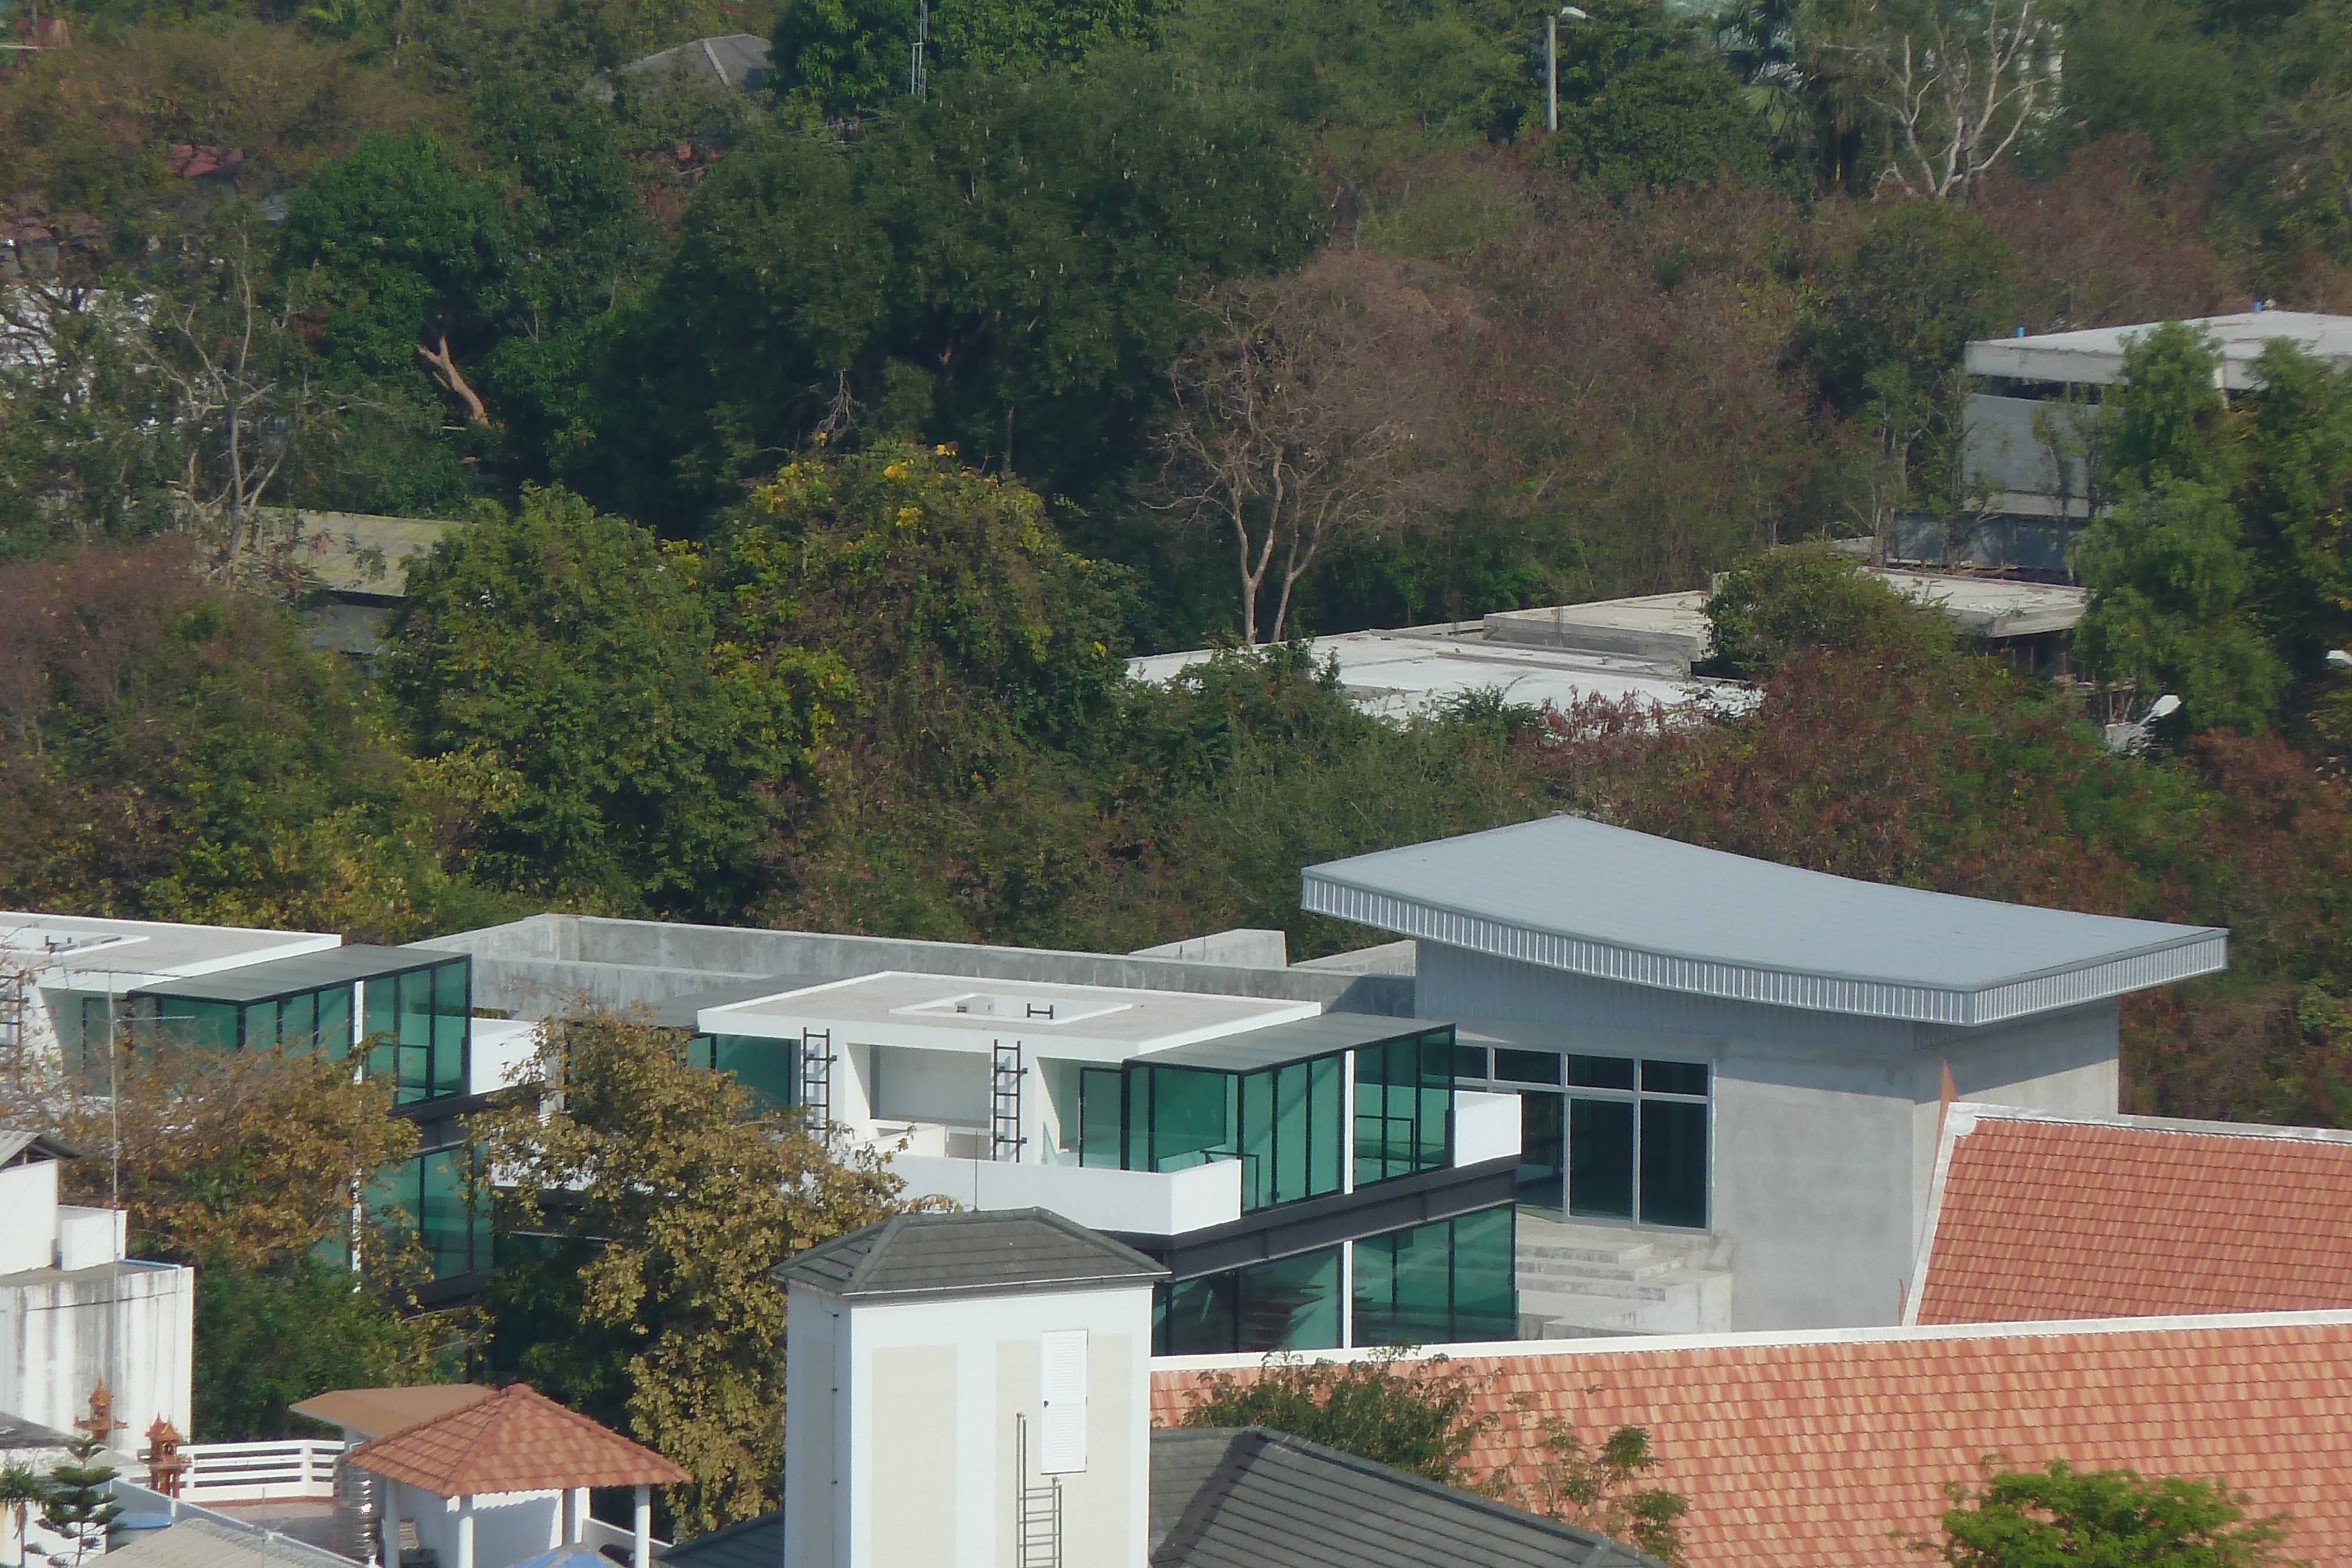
(1815, 1452)
(2038, 1217)
(378, 1412)
(520, 1441)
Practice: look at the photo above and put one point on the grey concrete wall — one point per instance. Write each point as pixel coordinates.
(1824, 1125)
(538, 966)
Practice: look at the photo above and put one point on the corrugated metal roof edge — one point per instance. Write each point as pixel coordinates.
(2200, 950)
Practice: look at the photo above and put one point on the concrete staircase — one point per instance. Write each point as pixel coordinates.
(1577, 1282)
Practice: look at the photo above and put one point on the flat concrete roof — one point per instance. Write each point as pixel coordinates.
(304, 972)
(85, 953)
(1668, 626)
(1399, 674)
(954, 1012)
(1611, 903)
(2095, 356)
(1993, 606)
(363, 554)
(1287, 1042)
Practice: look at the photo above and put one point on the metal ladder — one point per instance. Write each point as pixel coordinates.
(1004, 1106)
(1036, 1508)
(816, 1079)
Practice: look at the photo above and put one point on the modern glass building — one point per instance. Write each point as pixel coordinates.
(1606, 1137)
(402, 1013)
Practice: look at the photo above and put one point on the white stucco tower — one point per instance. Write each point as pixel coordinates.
(968, 1391)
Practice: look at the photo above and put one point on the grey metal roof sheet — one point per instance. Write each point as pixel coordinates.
(1591, 899)
(17, 1142)
(754, 1543)
(937, 1254)
(1251, 1498)
(306, 972)
(209, 1543)
(1285, 1042)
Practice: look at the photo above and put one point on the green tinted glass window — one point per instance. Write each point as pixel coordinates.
(209, 1026)
(1674, 1164)
(1191, 1117)
(1486, 1275)
(1469, 1061)
(335, 1022)
(1326, 1077)
(1601, 1071)
(1526, 1066)
(769, 1069)
(1099, 1113)
(1673, 1078)
(1292, 1304)
(1600, 1159)
(1258, 1140)
(1194, 1317)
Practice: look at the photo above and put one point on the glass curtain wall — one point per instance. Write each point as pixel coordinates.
(1444, 1282)
(1283, 1123)
(417, 1027)
(1404, 1106)
(429, 1192)
(304, 1021)
(1291, 1303)
(1611, 1138)
(769, 1069)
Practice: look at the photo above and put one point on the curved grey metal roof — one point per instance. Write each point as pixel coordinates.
(1606, 902)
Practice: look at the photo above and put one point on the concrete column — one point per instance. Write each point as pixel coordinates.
(641, 1551)
(465, 1532)
(387, 1520)
(577, 1523)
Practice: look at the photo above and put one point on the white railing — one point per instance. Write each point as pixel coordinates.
(257, 1472)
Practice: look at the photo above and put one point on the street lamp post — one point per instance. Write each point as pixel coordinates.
(1551, 62)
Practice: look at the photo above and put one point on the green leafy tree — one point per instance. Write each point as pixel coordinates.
(20, 1488)
(2169, 573)
(1885, 335)
(1673, 120)
(404, 249)
(1767, 609)
(2168, 420)
(78, 1504)
(1001, 269)
(2025, 1519)
(2297, 504)
(850, 58)
(268, 1337)
(680, 1199)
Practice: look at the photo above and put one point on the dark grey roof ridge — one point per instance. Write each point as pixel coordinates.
(861, 1263)
(1602, 1550)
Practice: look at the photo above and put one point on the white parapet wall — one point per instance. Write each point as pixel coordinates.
(131, 1325)
(1133, 1203)
(1485, 1126)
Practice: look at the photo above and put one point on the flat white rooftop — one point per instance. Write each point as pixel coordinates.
(1611, 903)
(2095, 356)
(954, 1012)
(1399, 674)
(85, 953)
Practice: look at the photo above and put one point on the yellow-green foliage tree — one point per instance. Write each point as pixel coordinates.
(676, 1198)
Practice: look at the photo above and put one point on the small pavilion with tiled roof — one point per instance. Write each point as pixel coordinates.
(492, 1468)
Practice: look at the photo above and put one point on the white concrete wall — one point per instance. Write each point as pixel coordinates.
(131, 1325)
(1146, 1202)
(931, 1086)
(509, 1527)
(1824, 1125)
(29, 1217)
(900, 1428)
(1485, 1126)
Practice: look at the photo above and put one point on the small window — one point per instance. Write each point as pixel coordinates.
(1469, 1061)
(1601, 1071)
(1526, 1066)
(1673, 1078)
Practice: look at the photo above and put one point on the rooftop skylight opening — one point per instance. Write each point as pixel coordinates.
(1027, 1008)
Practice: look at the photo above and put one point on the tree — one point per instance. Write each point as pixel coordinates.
(1956, 82)
(1764, 610)
(1601, 1488)
(853, 58)
(2023, 1519)
(20, 1488)
(172, 751)
(270, 1337)
(78, 1500)
(1673, 120)
(244, 1156)
(559, 668)
(682, 1199)
(1311, 408)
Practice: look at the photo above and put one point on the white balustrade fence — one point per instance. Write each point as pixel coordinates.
(258, 1472)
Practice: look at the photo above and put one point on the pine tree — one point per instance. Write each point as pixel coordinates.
(79, 1502)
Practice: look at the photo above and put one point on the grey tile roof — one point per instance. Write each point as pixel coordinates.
(1601, 901)
(209, 1543)
(754, 1543)
(1285, 1042)
(934, 1254)
(1250, 1498)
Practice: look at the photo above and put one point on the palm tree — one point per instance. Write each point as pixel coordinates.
(20, 1488)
